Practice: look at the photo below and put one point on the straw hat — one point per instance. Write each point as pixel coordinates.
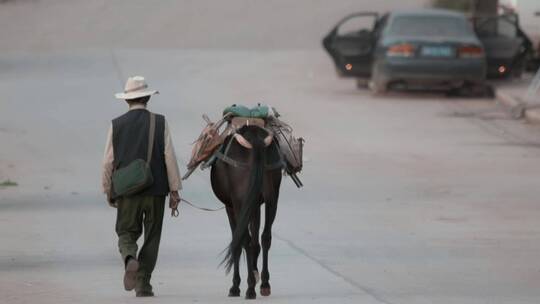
(135, 87)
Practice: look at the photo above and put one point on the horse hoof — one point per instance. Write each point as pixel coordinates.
(234, 292)
(265, 291)
(251, 294)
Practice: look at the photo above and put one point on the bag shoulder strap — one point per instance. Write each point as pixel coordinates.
(151, 135)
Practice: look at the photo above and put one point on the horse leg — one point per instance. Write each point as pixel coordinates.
(250, 292)
(255, 245)
(266, 241)
(235, 289)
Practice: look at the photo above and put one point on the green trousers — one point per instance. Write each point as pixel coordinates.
(135, 214)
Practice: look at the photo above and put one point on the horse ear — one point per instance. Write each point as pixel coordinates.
(242, 141)
(268, 140)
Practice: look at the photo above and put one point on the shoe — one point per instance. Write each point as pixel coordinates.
(144, 293)
(143, 288)
(130, 276)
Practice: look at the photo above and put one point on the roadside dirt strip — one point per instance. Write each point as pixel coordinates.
(518, 107)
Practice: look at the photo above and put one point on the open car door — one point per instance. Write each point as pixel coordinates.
(351, 44)
(507, 46)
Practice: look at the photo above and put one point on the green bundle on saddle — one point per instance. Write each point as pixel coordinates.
(243, 111)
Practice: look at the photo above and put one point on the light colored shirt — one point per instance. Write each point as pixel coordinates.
(173, 173)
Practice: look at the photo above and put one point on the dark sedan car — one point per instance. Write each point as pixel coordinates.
(409, 48)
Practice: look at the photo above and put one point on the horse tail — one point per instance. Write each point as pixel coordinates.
(249, 205)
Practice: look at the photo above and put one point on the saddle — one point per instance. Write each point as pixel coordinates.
(210, 144)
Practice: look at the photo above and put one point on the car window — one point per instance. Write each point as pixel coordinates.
(429, 26)
(357, 26)
(497, 27)
(507, 29)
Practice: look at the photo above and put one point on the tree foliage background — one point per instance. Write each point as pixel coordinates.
(458, 5)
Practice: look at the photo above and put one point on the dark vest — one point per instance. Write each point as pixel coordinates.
(130, 142)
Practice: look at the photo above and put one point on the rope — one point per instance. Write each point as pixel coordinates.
(200, 208)
(206, 182)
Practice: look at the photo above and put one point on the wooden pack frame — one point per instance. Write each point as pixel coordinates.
(211, 139)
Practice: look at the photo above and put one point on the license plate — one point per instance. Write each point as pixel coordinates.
(437, 51)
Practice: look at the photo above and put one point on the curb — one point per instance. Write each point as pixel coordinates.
(518, 108)
(508, 100)
(533, 115)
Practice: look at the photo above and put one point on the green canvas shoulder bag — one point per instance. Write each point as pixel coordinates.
(136, 176)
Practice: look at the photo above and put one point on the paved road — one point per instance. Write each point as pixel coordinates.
(409, 198)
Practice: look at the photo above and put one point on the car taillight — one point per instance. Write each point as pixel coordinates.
(471, 52)
(401, 50)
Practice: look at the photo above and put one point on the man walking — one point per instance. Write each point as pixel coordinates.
(128, 140)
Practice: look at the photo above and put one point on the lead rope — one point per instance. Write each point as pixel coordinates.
(201, 208)
(175, 212)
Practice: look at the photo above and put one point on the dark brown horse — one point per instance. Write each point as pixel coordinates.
(243, 179)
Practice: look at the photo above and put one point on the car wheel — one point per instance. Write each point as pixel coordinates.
(518, 66)
(362, 83)
(517, 71)
(482, 90)
(376, 87)
(339, 73)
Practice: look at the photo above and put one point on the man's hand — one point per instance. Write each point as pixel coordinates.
(174, 201)
(111, 201)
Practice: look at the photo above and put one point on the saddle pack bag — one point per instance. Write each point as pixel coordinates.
(206, 144)
(137, 175)
(292, 148)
